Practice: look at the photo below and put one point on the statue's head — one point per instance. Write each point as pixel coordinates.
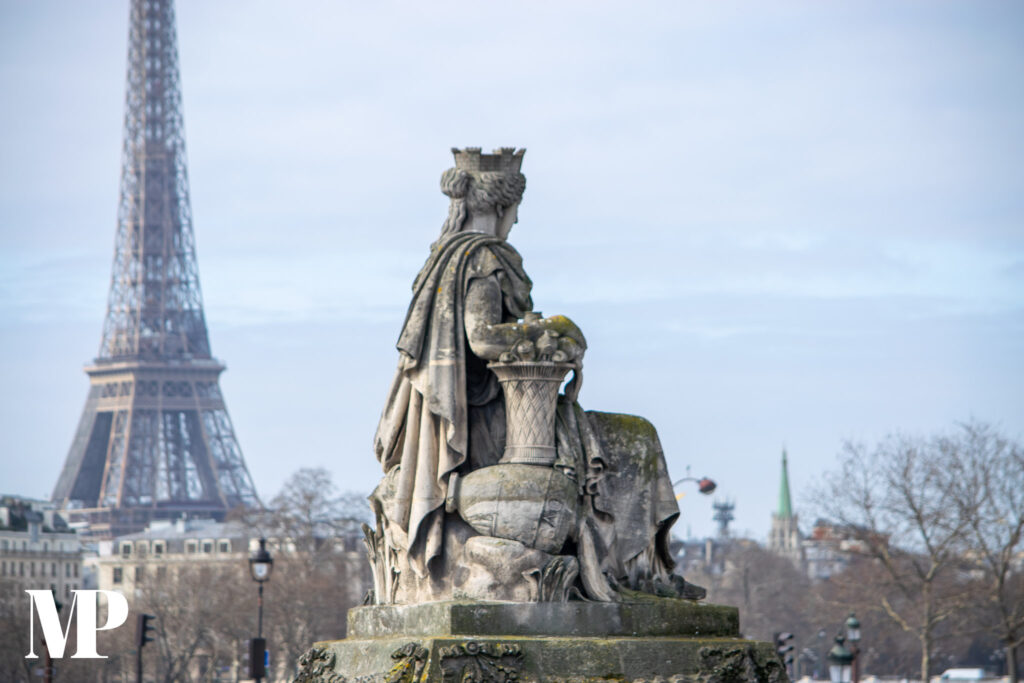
(485, 190)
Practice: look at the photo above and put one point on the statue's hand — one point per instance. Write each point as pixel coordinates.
(566, 329)
(534, 338)
(570, 339)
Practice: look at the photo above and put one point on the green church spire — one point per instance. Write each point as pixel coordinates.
(785, 503)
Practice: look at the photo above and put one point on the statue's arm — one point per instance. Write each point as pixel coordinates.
(488, 338)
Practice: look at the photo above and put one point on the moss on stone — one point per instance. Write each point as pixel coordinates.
(567, 660)
(632, 436)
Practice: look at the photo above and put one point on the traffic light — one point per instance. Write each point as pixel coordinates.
(257, 658)
(142, 630)
(784, 648)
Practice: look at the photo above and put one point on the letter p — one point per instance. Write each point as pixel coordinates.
(117, 614)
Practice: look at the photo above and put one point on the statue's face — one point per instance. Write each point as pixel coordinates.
(509, 218)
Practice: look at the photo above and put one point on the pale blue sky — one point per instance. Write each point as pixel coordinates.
(776, 222)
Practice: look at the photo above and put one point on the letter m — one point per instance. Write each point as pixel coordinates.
(56, 638)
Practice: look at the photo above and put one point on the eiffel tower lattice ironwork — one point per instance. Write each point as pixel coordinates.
(155, 440)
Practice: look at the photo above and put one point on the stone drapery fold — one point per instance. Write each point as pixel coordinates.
(424, 428)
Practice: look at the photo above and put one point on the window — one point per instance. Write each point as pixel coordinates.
(118, 575)
(207, 546)
(225, 546)
(126, 550)
(67, 570)
(67, 591)
(158, 548)
(3, 568)
(190, 547)
(46, 546)
(161, 573)
(31, 568)
(53, 569)
(76, 570)
(53, 588)
(140, 573)
(21, 569)
(3, 544)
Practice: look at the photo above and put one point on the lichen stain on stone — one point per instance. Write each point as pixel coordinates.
(742, 664)
(410, 664)
(632, 435)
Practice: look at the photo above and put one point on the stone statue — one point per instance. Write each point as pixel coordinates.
(496, 486)
(518, 537)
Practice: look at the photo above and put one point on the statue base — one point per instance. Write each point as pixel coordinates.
(579, 642)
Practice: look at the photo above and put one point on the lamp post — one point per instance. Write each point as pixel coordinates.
(840, 661)
(704, 484)
(47, 659)
(819, 670)
(260, 566)
(853, 635)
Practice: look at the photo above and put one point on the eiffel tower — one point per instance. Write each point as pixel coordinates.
(155, 440)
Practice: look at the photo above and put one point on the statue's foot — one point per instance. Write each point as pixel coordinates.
(657, 587)
(687, 590)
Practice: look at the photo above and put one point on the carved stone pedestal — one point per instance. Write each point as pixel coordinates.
(661, 640)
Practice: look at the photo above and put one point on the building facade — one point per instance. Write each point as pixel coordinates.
(38, 551)
(829, 550)
(157, 553)
(126, 562)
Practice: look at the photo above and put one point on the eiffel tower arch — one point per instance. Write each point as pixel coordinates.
(155, 440)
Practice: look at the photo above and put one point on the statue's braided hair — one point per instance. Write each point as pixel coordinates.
(480, 191)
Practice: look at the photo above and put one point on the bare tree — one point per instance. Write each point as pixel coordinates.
(15, 616)
(887, 647)
(320, 568)
(893, 497)
(985, 473)
(14, 630)
(206, 610)
(195, 606)
(772, 594)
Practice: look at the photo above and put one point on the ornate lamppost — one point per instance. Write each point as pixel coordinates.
(840, 661)
(853, 635)
(704, 484)
(260, 566)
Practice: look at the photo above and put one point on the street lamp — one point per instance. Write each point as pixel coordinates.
(822, 655)
(704, 485)
(840, 661)
(853, 635)
(260, 566)
(48, 660)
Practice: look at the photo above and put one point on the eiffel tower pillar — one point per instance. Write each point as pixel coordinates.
(155, 440)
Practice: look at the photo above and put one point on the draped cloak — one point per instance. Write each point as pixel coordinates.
(425, 431)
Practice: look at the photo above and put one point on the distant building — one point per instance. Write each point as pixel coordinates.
(38, 551)
(705, 556)
(785, 537)
(127, 561)
(829, 549)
